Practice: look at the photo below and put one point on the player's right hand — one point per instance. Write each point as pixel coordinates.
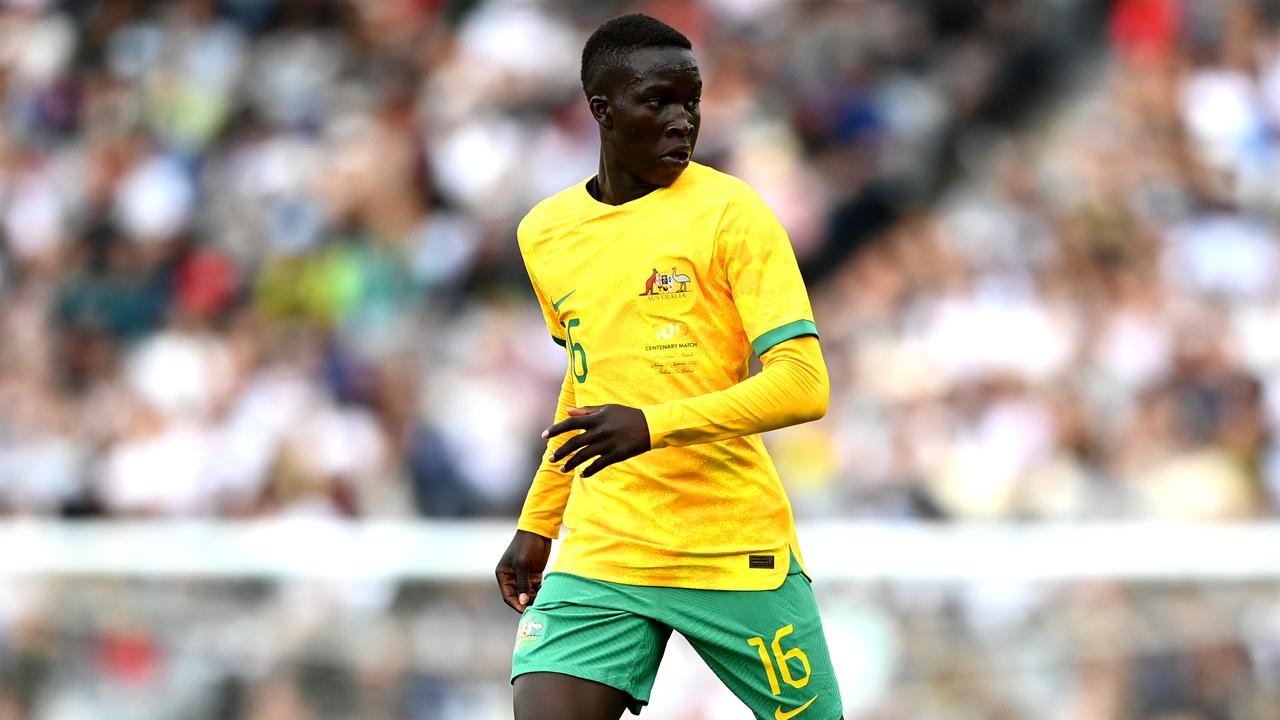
(519, 571)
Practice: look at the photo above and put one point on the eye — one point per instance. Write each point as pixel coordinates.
(653, 103)
(693, 104)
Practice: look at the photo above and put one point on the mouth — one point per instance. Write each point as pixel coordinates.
(679, 156)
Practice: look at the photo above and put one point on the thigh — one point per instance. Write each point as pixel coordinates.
(582, 629)
(768, 648)
(553, 696)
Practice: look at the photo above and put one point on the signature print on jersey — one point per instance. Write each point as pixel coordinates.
(660, 283)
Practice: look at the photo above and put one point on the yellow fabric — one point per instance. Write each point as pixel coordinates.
(550, 489)
(660, 300)
(792, 388)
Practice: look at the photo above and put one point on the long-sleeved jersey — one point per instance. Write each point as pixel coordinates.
(659, 303)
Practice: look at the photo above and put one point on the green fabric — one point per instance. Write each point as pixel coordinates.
(615, 634)
(786, 332)
(559, 341)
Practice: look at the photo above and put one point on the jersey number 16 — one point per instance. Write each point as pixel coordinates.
(577, 355)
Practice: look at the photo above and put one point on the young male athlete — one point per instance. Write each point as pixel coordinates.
(675, 516)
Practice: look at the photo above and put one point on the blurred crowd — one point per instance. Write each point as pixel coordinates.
(424, 651)
(1086, 328)
(258, 257)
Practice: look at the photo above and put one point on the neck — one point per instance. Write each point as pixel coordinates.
(615, 186)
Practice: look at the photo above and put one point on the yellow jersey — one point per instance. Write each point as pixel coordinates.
(658, 299)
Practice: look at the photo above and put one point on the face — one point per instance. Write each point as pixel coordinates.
(651, 114)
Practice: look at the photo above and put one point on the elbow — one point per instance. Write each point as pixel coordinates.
(818, 382)
(820, 408)
(818, 404)
(817, 399)
(821, 391)
(800, 362)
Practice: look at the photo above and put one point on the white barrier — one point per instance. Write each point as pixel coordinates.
(468, 551)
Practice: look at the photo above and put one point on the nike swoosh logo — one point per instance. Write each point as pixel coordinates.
(556, 305)
(779, 715)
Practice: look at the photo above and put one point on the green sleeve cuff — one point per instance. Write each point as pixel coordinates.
(786, 332)
(559, 341)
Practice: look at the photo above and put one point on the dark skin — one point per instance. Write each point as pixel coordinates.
(648, 119)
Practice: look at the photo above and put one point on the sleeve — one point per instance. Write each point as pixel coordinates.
(548, 310)
(544, 505)
(763, 274)
(792, 388)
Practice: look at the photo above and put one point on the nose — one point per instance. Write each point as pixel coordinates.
(681, 127)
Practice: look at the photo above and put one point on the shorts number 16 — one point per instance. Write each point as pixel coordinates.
(782, 657)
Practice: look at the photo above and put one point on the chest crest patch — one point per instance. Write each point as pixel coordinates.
(664, 285)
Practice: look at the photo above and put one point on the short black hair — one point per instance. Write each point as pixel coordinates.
(607, 48)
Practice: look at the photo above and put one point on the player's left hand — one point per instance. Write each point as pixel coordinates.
(610, 433)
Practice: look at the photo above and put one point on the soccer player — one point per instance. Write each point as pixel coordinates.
(675, 516)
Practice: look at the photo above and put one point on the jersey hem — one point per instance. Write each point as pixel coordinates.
(791, 330)
(771, 580)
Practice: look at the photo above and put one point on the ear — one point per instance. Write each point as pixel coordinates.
(601, 110)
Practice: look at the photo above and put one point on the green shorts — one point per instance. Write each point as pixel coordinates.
(766, 646)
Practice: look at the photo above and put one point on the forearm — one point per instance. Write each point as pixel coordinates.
(792, 388)
(544, 505)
